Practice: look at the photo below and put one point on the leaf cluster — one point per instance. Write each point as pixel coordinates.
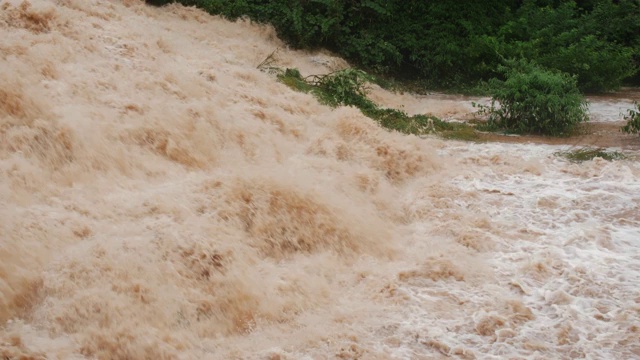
(344, 87)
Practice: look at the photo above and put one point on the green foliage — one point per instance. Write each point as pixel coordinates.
(534, 100)
(586, 154)
(344, 87)
(633, 120)
(566, 38)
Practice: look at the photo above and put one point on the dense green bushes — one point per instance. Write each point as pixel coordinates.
(458, 43)
(535, 100)
(595, 46)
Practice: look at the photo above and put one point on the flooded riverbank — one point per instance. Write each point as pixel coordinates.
(602, 108)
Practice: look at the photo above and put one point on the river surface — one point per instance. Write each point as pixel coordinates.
(161, 198)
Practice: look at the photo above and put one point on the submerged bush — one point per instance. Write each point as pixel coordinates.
(633, 120)
(344, 87)
(349, 87)
(534, 100)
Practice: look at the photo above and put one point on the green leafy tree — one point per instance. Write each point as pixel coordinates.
(633, 120)
(535, 100)
(568, 39)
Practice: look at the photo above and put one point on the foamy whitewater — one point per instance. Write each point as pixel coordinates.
(161, 198)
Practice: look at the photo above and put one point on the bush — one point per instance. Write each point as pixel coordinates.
(633, 121)
(534, 100)
(344, 87)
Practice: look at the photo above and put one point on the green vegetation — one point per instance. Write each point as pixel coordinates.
(349, 88)
(344, 87)
(534, 100)
(633, 120)
(596, 40)
(457, 44)
(586, 154)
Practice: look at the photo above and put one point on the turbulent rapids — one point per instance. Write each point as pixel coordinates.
(161, 198)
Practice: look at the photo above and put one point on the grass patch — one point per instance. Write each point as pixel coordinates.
(349, 87)
(587, 154)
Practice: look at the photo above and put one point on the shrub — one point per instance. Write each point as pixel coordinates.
(633, 120)
(343, 87)
(534, 100)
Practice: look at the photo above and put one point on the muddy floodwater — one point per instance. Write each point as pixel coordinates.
(161, 198)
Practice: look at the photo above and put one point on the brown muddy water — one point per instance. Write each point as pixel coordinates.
(161, 198)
